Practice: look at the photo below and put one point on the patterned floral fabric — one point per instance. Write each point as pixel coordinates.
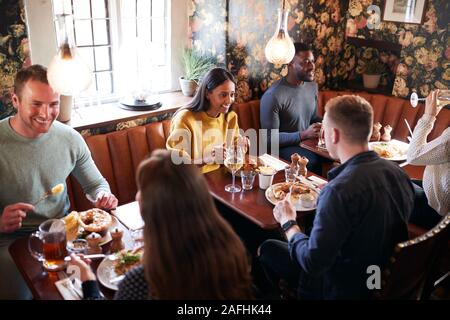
(424, 62)
(425, 56)
(236, 32)
(14, 50)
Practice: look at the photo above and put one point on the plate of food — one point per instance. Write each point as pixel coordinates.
(393, 150)
(81, 224)
(303, 197)
(109, 269)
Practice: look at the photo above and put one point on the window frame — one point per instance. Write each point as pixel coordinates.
(43, 44)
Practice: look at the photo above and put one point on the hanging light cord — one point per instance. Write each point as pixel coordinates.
(284, 2)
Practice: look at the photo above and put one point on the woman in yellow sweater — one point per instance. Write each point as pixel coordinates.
(203, 128)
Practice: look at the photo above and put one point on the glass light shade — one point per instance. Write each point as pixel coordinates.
(68, 73)
(280, 48)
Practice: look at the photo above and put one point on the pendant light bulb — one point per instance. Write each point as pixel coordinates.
(280, 48)
(68, 74)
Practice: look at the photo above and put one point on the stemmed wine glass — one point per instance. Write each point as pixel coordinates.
(234, 159)
(443, 98)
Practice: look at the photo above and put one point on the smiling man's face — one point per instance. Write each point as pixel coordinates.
(37, 107)
(304, 67)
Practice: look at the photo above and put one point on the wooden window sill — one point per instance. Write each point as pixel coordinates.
(112, 113)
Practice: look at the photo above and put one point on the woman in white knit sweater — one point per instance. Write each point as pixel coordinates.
(433, 200)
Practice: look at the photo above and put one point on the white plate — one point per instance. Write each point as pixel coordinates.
(105, 272)
(398, 148)
(271, 198)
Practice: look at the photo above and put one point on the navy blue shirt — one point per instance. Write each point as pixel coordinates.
(361, 214)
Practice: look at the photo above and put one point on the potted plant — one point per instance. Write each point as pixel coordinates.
(195, 65)
(373, 70)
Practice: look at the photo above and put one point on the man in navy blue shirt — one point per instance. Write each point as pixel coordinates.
(361, 214)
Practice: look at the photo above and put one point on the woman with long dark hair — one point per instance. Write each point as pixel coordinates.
(190, 251)
(203, 128)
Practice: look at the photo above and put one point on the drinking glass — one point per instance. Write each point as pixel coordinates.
(290, 174)
(52, 234)
(248, 178)
(443, 99)
(321, 139)
(234, 159)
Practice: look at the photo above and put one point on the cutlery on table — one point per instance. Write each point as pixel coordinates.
(311, 184)
(70, 284)
(111, 257)
(409, 129)
(117, 279)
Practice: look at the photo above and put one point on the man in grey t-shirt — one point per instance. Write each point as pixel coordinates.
(290, 106)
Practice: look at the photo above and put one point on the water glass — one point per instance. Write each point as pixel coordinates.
(290, 173)
(247, 179)
(321, 139)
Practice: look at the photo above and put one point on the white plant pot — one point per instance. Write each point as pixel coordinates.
(371, 81)
(188, 87)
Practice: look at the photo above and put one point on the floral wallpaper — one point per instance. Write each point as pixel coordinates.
(14, 50)
(251, 23)
(245, 26)
(424, 62)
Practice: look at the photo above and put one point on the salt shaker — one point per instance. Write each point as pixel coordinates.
(116, 243)
(94, 240)
(386, 134)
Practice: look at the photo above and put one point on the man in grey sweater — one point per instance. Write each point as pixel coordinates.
(289, 108)
(37, 154)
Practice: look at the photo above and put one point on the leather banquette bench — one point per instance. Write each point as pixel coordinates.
(117, 154)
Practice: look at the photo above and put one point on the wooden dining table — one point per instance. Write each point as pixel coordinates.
(41, 282)
(250, 204)
(311, 145)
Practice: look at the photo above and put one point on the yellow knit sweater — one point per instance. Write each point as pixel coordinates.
(195, 134)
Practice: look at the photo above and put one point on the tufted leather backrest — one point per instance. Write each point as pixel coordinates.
(393, 111)
(117, 155)
(387, 110)
(248, 114)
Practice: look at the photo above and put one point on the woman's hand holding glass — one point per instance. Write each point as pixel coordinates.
(435, 101)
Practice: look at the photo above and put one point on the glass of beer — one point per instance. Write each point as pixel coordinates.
(52, 236)
(234, 159)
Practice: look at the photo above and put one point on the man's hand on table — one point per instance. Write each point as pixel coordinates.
(312, 132)
(106, 200)
(12, 216)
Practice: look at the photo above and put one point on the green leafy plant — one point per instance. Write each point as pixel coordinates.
(196, 64)
(375, 67)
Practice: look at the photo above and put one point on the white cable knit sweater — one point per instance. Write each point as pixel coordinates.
(435, 155)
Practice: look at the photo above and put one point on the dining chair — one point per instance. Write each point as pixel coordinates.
(413, 269)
